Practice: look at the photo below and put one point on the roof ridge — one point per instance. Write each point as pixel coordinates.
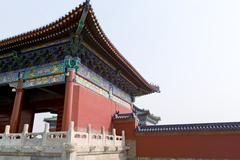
(199, 123)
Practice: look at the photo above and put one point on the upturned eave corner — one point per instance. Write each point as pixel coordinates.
(155, 88)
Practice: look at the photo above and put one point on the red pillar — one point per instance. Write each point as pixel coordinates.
(17, 107)
(68, 101)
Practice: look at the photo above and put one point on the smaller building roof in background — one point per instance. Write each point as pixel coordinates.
(50, 119)
(123, 116)
(143, 116)
(199, 127)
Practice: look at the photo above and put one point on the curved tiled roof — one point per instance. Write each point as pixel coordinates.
(201, 127)
(66, 26)
(143, 112)
(107, 42)
(123, 116)
(63, 25)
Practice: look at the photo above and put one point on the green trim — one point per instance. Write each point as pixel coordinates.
(50, 119)
(70, 62)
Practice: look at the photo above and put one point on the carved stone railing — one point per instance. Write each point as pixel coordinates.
(59, 142)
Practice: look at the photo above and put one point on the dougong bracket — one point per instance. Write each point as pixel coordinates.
(17, 59)
(15, 56)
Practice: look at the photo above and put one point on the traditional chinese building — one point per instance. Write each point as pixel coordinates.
(70, 68)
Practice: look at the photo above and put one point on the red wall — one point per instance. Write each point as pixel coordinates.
(198, 145)
(126, 125)
(27, 117)
(209, 145)
(4, 120)
(94, 109)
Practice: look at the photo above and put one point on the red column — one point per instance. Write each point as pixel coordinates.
(17, 107)
(68, 101)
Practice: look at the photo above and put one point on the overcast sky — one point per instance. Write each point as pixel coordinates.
(190, 48)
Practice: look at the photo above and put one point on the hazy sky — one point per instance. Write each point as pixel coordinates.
(190, 48)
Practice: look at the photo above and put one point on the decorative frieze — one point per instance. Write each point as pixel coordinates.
(101, 91)
(121, 94)
(93, 77)
(8, 77)
(54, 73)
(102, 83)
(44, 70)
(32, 76)
(44, 81)
(91, 86)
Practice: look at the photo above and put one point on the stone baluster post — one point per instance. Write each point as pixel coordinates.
(45, 134)
(103, 136)
(114, 136)
(123, 138)
(25, 129)
(70, 134)
(24, 132)
(7, 129)
(89, 131)
(6, 133)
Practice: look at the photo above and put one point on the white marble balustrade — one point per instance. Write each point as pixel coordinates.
(59, 141)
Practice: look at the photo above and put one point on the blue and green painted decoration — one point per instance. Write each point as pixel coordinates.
(55, 73)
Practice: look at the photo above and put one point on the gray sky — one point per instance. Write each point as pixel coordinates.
(190, 48)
